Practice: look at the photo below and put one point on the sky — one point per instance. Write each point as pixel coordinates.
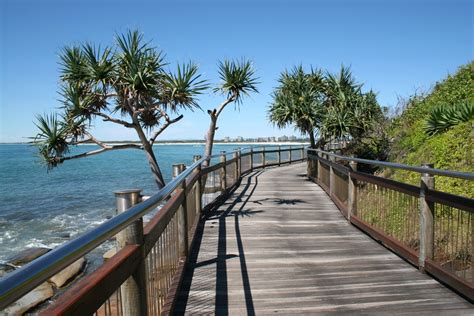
(393, 47)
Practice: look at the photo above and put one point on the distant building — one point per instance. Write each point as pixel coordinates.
(292, 138)
(283, 138)
(227, 139)
(239, 139)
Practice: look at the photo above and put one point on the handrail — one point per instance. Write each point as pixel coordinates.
(432, 171)
(21, 281)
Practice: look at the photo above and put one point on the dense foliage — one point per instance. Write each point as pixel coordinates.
(331, 106)
(449, 148)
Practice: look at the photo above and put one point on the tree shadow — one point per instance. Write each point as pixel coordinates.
(279, 201)
(221, 286)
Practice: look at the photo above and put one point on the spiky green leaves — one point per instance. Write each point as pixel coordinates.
(297, 100)
(331, 104)
(238, 79)
(51, 139)
(444, 117)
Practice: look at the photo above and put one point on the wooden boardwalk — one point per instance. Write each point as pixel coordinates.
(279, 245)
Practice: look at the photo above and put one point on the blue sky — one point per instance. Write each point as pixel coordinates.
(393, 47)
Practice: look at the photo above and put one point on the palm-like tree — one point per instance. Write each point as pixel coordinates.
(349, 112)
(238, 79)
(327, 105)
(127, 85)
(298, 101)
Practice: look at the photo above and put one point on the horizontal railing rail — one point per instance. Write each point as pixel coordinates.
(433, 230)
(164, 242)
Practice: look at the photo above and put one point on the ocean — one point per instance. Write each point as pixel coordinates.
(44, 209)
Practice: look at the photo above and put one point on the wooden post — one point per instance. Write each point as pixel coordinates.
(318, 173)
(183, 225)
(236, 171)
(263, 156)
(196, 158)
(133, 290)
(224, 171)
(279, 155)
(331, 176)
(302, 152)
(289, 154)
(352, 194)
(426, 219)
(197, 191)
(240, 162)
(251, 158)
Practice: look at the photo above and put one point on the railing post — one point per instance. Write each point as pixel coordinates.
(279, 155)
(224, 171)
(302, 152)
(236, 171)
(251, 158)
(331, 176)
(426, 218)
(183, 225)
(263, 156)
(318, 173)
(289, 155)
(352, 194)
(196, 158)
(240, 162)
(133, 290)
(178, 168)
(197, 191)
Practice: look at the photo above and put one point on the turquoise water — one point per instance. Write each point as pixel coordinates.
(40, 208)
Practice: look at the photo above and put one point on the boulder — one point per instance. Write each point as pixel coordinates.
(27, 255)
(68, 273)
(109, 253)
(5, 268)
(35, 297)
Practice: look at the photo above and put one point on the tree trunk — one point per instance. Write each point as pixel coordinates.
(210, 139)
(150, 155)
(311, 139)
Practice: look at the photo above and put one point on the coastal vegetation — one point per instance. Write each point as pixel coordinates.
(437, 127)
(127, 84)
(330, 107)
(238, 80)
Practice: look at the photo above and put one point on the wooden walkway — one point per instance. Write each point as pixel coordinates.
(279, 245)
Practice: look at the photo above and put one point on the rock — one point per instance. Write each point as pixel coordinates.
(38, 295)
(65, 235)
(68, 273)
(27, 255)
(109, 253)
(5, 268)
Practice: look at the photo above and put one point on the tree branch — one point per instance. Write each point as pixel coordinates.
(112, 119)
(163, 127)
(99, 151)
(223, 104)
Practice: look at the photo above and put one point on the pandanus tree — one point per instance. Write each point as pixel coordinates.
(350, 113)
(332, 107)
(238, 79)
(128, 85)
(298, 101)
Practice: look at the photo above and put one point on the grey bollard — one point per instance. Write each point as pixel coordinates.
(178, 168)
(133, 290)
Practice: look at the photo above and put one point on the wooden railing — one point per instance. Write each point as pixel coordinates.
(433, 230)
(144, 276)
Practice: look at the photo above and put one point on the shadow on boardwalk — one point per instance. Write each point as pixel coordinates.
(279, 245)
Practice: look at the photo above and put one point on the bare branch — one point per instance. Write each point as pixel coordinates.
(163, 127)
(223, 104)
(99, 151)
(114, 120)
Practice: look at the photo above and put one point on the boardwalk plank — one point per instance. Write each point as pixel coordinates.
(279, 245)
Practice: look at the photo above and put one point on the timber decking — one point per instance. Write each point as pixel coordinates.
(280, 245)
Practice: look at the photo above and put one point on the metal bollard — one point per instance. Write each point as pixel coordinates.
(133, 290)
(178, 168)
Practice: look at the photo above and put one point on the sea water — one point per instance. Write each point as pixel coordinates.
(44, 209)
